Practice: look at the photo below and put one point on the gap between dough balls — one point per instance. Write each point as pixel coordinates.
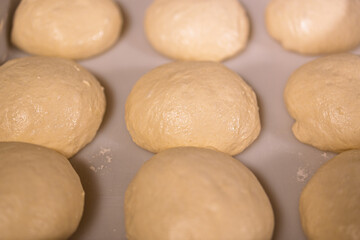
(192, 103)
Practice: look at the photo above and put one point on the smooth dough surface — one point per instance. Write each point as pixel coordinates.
(201, 104)
(199, 194)
(323, 96)
(210, 30)
(329, 204)
(51, 102)
(73, 29)
(41, 196)
(314, 26)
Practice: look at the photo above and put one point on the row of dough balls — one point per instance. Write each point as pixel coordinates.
(50, 108)
(205, 104)
(212, 30)
(267, 223)
(38, 183)
(193, 113)
(200, 98)
(219, 29)
(180, 109)
(198, 193)
(323, 96)
(187, 190)
(214, 69)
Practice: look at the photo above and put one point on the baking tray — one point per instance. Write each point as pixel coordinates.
(106, 165)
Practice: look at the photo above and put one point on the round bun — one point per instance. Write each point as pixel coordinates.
(197, 30)
(195, 193)
(51, 102)
(70, 29)
(41, 196)
(323, 97)
(329, 204)
(314, 26)
(200, 104)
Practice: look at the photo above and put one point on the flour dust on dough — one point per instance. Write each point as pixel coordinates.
(51, 102)
(41, 196)
(195, 193)
(192, 103)
(73, 29)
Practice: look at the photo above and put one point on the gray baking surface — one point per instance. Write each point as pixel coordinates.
(106, 165)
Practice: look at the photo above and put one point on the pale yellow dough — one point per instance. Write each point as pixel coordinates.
(51, 102)
(314, 26)
(73, 29)
(323, 96)
(197, 30)
(329, 204)
(41, 196)
(201, 104)
(199, 194)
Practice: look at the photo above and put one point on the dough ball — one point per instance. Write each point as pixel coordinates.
(323, 96)
(329, 204)
(41, 196)
(314, 26)
(200, 104)
(197, 30)
(66, 28)
(51, 102)
(194, 193)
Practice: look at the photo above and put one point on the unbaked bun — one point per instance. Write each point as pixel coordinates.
(314, 26)
(66, 28)
(51, 102)
(41, 196)
(197, 30)
(201, 104)
(194, 193)
(329, 204)
(323, 97)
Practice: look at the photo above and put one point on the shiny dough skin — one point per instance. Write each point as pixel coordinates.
(211, 30)
(51, 102)
(323, 96)
(199, 194)
(329, 204)
(314, 26)
(201, 104)
(74, 29)
(41, 196)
